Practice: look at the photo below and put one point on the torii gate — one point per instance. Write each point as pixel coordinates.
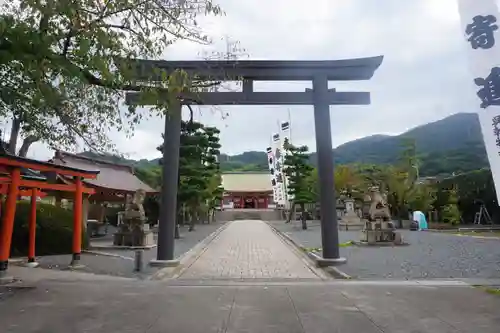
(248, 71)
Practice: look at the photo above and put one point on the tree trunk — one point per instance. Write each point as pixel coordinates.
(194, 217)
(184, 213)
(291, 213)
(27, 142)
(177, 234)
(303, 216)
(14, 134)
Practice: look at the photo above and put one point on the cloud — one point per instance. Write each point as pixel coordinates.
(423, 77)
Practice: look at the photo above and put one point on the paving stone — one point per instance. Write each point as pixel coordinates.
(248, 249)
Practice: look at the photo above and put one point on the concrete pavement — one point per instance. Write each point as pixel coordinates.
(246, 280)
(124, 306)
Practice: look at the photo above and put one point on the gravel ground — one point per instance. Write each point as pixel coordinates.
(429, 255)
(99, 264)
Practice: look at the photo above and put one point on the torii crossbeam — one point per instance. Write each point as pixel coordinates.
(249, 71)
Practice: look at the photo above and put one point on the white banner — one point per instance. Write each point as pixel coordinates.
(285, 136)
(479, 26)
(272, 178)
(276, 146)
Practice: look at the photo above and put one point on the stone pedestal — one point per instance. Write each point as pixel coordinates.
(134, 238)
(351, 220)
(377, 232)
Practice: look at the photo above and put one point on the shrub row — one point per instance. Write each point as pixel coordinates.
(54, 230)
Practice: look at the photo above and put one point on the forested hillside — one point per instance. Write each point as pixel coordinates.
(451, 145)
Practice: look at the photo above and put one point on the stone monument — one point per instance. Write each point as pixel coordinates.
(133, 231)
(351, 220)
(379, 228)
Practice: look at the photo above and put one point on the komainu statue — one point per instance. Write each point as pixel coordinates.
(132, 231)
(379, 227)
(378, 206)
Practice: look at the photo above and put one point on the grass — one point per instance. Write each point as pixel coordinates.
(490, 290)
(319, 249)
(493, 234)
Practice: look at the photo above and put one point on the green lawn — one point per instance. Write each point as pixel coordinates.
(493, 234)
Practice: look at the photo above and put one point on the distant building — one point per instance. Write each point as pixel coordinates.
(247, 190)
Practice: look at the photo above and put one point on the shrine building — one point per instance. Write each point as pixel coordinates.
(247, 190)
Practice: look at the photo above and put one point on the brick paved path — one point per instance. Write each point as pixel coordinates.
(247, 250)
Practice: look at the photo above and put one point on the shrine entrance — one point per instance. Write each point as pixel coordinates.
(249, 71)
(250, 203)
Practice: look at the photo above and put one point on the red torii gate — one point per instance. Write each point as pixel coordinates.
(13, 185)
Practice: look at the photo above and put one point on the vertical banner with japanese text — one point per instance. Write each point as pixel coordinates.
(285, 137)
(479, 25)
(272, 176)
(278, 176)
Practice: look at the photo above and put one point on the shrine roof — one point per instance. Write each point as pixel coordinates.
(35, 169)
(246, 182)
(112, 176)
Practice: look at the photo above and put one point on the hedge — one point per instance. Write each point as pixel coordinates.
(54, 230)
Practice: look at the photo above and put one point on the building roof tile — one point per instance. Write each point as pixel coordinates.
(112, 176)
(246, 182)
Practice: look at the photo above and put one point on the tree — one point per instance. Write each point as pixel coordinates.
(347, 180)
(298, 170)
(450, 212)
(199, 173)
(422, 198)
(64, 65)
(400, 180)
(150, 175)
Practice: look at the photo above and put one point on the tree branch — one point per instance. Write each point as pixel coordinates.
(27, 142)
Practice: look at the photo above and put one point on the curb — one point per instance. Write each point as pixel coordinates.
(113, 247)
(106, 254)
(332, 270)
(188, 258)
(311, 257)
(478, 237)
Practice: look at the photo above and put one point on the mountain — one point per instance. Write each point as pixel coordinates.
(452, 134)
(452, 144)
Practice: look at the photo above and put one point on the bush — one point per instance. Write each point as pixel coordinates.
(54, 230)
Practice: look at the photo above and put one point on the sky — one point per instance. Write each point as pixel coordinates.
(424, 76)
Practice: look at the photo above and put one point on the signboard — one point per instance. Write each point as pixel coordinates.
(481, 37)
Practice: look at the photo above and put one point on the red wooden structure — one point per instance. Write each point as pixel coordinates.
(14, 185)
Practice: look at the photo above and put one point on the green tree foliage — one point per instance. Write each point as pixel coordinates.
(450, 212)
(298, 171)
(348, 181)
(150, 175)
(422, 198)
(472, 189)
(199, 174)
(64, 65)
(400, 180)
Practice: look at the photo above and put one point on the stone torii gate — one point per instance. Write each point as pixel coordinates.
(248, 71)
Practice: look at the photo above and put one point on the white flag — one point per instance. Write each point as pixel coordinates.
(272, 177)
(285, 136)
(280, 192)
(481, 37)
